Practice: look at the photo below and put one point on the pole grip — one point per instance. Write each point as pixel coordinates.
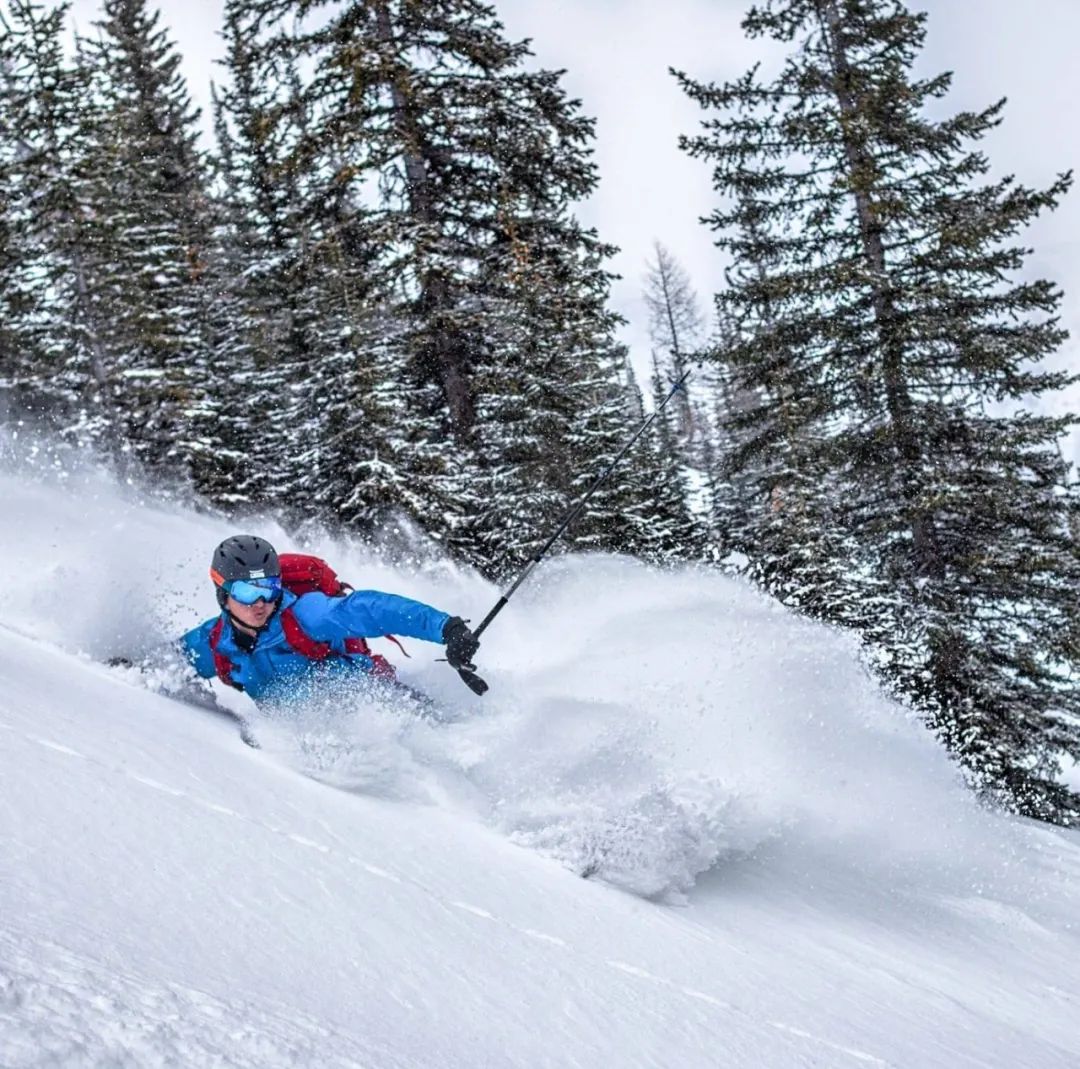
(472, 681)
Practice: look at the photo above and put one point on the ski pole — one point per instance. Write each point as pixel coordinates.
(471, 679)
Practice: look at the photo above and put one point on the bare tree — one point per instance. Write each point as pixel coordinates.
(676, 325)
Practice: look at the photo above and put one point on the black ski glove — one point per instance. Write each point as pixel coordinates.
(461, 643)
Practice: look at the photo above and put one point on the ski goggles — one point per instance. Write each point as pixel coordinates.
(249, 591)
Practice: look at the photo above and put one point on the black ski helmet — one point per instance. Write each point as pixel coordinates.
(242, 557)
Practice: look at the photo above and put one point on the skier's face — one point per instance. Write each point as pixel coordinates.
(253, 616)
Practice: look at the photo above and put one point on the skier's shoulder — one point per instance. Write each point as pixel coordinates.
(200, 634)
(311, 606)
(320, 616)
(197, 646)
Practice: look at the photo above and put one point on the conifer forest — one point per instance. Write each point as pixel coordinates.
(367, 303)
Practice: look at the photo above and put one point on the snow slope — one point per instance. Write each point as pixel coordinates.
(783, 870)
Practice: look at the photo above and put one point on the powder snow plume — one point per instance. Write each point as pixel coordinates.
(644, 727)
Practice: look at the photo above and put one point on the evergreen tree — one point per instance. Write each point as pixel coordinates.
(664, 490)
(314, 349)
(236, 412)
(54, 363)
(19, 299)
(533, 439)
(554, 405)
(764, 487)
(146, 236)
(441, 171)
(101, 180)
(879, 314)
(263, 338)
(734, 484)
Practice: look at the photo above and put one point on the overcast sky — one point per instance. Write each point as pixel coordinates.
(616, 54)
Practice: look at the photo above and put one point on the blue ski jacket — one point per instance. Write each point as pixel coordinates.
(273, 672)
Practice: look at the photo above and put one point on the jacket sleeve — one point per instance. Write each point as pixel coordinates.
(368, 614)
(196, 648)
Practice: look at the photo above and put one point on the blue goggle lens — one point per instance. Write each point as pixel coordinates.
(249, 591)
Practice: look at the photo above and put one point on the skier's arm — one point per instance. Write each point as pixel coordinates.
(195, 646)
(368, 614)
(192, 650)
(174, 667)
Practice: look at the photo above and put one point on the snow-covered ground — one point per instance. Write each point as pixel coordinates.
(782, 868)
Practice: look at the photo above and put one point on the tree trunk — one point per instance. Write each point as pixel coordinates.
(928, 559)
(446, 353)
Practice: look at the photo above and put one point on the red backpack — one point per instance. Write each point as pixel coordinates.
(304, 574)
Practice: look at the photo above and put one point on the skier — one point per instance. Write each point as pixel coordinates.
(279, 646)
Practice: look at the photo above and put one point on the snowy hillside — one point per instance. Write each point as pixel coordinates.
(783, 870)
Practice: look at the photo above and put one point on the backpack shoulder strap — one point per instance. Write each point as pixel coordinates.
(222, 665)
(315, 650)
(300, 640)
